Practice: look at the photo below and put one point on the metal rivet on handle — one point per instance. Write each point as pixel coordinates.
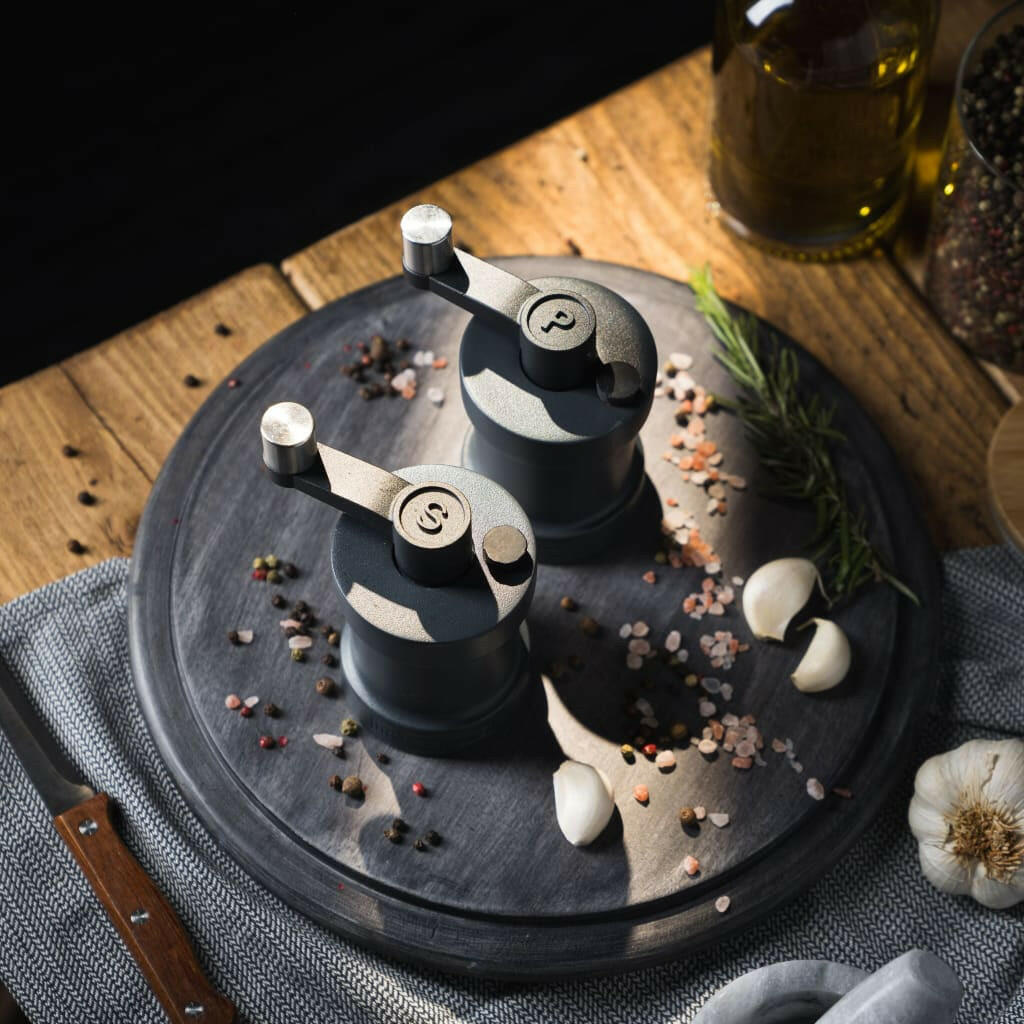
(139, 916)
(88, 827)
(195, 1010)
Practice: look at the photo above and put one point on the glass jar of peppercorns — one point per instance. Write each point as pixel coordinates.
(975, 255)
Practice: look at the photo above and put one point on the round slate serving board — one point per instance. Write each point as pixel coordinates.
(504, 894)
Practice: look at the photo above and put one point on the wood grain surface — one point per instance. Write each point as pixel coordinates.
(624, 181)
(1006, 475)
(143, 917)
(504, 894)
(122, 404)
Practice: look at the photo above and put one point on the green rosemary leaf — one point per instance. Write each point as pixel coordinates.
(793, 438)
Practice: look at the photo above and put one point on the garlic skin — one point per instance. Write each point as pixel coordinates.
(826, 660)
(583, 801)
(967, 815)
(774, 593)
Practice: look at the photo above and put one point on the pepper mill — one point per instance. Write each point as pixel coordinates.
(557, 378)
(436, 566)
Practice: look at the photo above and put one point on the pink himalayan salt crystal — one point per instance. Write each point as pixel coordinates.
(815, 790)
(232, 702)
(665, 760)
(641, 794)
(691, 865)
(722, 904)
(743, 763)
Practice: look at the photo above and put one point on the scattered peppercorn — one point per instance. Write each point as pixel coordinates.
(687, 816)
(419, 789)
(349, 727)
(334, 782)
(233, 637)
(69, 451)
(86, 498)
(628, 753)
(266, 742)
(222, 330)
(568, 604)
(273, 576)
(650, 749)
(271, 710)
(402, 344)
(419, 845)
(329, 660)
(433, 838)
(271, 561)
(278, 601)
(400, 825)
(393, 835)
(76, 547)
(245, 712)
(298, 655)
(334, 638)
(591, 627)
(679, 732)
(383, 758)
(353, 786)
(259, 574)
(289, 570)
(325, 686)
(192, 381)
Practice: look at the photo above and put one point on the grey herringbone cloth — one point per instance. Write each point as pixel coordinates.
(63, 961)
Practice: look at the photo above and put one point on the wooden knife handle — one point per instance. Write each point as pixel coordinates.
(148, 925)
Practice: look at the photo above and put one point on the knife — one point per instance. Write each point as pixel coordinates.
(150, 928)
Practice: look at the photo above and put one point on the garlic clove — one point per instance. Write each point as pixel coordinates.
(926, 821)
(583, 801)
(774, 593)
(941, 779)
(944, 870)
(1003, 786)
(826, 660)
(994, 894)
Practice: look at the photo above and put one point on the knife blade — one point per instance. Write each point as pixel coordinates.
(143, 917)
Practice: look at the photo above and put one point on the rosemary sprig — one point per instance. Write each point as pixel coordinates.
(793, 439)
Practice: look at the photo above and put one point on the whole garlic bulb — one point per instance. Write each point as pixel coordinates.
(967, 815)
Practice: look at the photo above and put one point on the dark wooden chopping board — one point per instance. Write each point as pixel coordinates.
(505, 894)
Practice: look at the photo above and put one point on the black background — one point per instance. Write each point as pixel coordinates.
(148, 160)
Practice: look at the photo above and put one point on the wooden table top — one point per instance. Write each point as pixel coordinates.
(623, 180)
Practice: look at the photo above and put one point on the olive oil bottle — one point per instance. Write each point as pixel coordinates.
(816, 107)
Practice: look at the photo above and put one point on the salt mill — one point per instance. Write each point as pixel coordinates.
(557, 378)
(436, 566)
